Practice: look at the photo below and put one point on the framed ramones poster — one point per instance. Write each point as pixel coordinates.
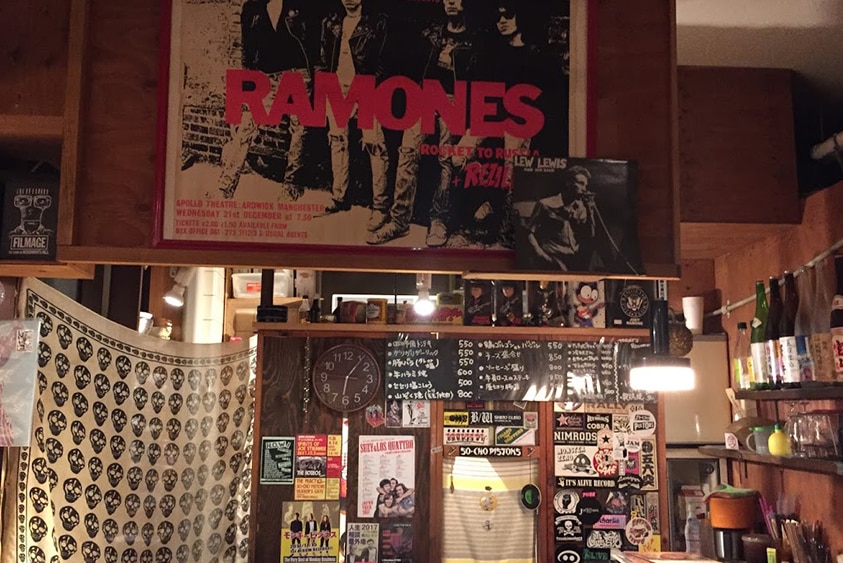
(375, 124)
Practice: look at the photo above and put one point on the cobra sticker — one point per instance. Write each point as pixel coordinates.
(565, 501)
(594, 421)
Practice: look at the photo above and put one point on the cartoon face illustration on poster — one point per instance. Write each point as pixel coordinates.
(574, 461)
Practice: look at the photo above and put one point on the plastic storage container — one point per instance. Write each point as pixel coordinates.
(249, 284)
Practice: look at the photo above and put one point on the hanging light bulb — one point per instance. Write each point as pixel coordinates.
(423, 306)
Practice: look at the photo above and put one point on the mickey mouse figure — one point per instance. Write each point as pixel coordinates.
(587, 303)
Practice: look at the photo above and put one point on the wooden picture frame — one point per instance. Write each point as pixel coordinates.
(228, 179)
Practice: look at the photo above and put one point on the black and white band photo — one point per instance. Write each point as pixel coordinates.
(576, 215)
(360, 122)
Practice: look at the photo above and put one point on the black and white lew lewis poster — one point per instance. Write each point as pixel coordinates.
(576, 215)
(362, 123)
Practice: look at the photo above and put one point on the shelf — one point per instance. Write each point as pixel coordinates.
(657, 272)
(808, 393)
(800, 464)
(22, 269)
(500, 331)
(32, 137)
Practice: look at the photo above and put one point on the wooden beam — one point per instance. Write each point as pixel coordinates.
(71, 146)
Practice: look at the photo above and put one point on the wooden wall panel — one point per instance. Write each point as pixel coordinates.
(635, 120)
(280, 395)
(737, 269)
(736, 146)
(117, 170)
(33, 56)
(635, 86)
(736, 273)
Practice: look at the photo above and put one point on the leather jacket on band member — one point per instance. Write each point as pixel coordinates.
(273, 49)
(366, 43)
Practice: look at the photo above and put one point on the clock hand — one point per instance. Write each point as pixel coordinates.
(348, 375)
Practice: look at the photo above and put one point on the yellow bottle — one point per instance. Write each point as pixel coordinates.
(778, 443)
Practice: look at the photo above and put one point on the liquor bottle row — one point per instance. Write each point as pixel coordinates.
(795, 339)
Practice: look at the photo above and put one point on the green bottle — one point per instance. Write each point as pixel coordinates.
(759, 369)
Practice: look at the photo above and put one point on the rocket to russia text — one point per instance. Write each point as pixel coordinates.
(473, 106)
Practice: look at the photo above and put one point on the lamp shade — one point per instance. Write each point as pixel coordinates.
(658, 370)
(662, 373)
(175, 297)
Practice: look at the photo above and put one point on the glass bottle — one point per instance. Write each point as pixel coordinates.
(778, 443)
(742, 359)
(304, 310)
(315, 313)
(802, 326)
(821, 328)
(759, 351)
(787, 334)
(337, 310)
(836, 322)
(771, 336)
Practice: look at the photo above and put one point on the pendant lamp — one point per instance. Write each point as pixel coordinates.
(658, 370)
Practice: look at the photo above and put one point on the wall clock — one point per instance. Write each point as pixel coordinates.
(346, 377)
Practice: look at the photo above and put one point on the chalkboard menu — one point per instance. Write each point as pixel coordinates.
(510, 370)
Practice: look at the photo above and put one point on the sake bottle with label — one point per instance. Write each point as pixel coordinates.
(820, 326)
(742, 359)
(787, 334)
(836, 322)
(805, 286)
(759, 325)
(771, 335)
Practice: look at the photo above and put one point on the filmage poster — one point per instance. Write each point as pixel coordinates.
(366, 123)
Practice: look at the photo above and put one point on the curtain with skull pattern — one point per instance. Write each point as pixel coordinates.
(141, 448)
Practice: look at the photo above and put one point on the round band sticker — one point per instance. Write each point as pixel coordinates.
(638, 531)
(565, 501)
